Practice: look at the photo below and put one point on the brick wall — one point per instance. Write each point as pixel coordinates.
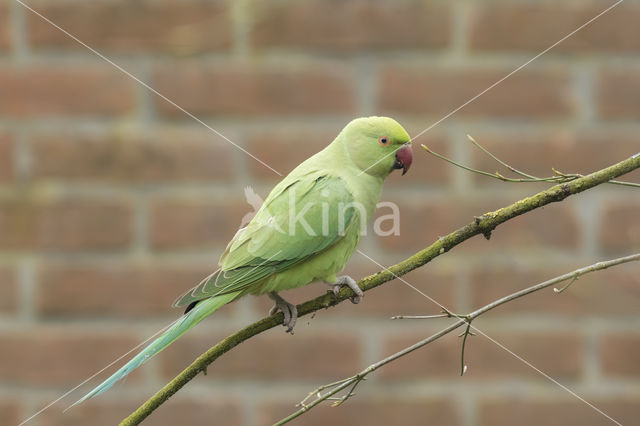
(113, 201)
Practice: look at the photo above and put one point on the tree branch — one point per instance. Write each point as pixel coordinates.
(353, 381)
(484, 225)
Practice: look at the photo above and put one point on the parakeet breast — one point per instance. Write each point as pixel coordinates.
(321, 267)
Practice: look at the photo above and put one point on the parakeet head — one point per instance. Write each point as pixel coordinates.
(378, 145)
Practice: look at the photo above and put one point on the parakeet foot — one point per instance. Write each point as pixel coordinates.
(351, 283)
(289, 310)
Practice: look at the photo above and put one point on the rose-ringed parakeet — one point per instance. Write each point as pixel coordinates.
(306, 230)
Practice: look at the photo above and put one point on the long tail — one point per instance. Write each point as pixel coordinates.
(190, 319)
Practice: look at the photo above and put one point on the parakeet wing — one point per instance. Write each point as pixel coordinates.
(300, 218)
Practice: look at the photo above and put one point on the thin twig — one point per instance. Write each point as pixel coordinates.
(560, 290)
(462, 319)
(568, 276)
(558, 177)
(467, 332)
(420, 316)
(462, 166)
(484, 225)
(513, 169)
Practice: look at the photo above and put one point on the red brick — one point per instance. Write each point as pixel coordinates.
(553, 226)
(8, 290)
(96, 412)
(191, 223)
(359, 25)
(397, 298)
(188, 27)
(59, 356)
(368, 410)
(620, 227)
(122, 290)
(10, 411)
(414, 232)
(613, 292)
(619, 354)
(175, 411)
(567, 152)
(618, 94)
(558, 412)
(527, 94)
(261, 358)
(145, 157)
(283, 149)
(64, 224)
(6, 157)
(198, 411)
(245, 91)
(62, 90)
(557, 354)
(422, 221)
(534, 27)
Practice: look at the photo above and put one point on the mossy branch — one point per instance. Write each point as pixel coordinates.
(484, 225)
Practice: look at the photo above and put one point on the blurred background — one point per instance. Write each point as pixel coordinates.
(113, 201)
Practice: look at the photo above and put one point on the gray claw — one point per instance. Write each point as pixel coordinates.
(351, 283)
(289, 311)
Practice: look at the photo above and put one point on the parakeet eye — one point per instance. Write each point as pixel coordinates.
(383, 140)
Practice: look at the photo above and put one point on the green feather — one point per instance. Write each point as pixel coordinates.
(193, 317)
(274, 241)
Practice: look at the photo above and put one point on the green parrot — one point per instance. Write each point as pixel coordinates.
(306, 230)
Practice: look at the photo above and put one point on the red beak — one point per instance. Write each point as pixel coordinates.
(404, 157)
